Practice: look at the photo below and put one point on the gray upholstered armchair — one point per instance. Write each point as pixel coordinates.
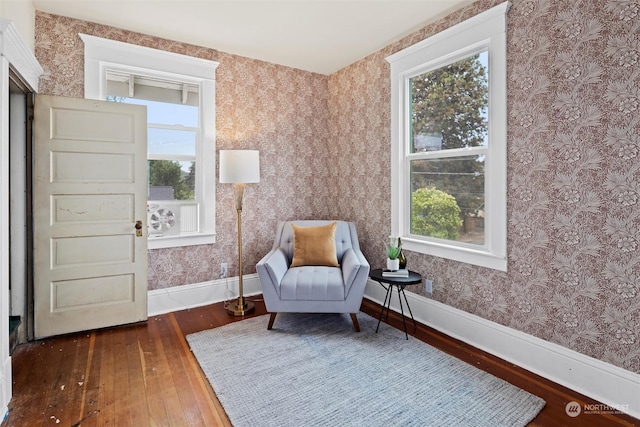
(305, 275)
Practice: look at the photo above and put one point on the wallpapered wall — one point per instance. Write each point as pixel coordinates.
(279, 110)
(573, 166)
(573, 175)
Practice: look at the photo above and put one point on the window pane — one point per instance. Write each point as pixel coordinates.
(171, 180)
(171, 141)
(449, 106)
(167, 113)
(167, 141)
(447, 198)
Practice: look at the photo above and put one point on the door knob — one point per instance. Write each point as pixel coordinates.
(139, 228)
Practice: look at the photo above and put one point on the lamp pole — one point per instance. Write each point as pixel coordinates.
(241, 307)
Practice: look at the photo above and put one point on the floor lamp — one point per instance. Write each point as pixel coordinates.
(239, 167)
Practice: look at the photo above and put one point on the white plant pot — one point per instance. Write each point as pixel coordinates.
(393, 264)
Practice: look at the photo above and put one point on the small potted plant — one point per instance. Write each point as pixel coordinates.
(393, 248)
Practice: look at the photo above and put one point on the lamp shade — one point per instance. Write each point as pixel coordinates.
(239, 166)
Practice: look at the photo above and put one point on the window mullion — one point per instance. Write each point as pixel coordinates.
(172, 157)
(442, 154)
(172, 127)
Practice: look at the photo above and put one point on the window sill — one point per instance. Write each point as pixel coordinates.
(179, 241)
(480, 257)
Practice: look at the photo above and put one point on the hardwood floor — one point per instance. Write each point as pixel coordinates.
(145, 375)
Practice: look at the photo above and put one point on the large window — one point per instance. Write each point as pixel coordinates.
(179, 94)
(449, 142)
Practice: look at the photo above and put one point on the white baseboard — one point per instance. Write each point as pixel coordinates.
(606, 383)
(177, 298)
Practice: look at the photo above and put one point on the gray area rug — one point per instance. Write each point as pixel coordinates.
(313, 370)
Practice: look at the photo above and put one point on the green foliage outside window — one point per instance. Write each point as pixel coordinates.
(450, 103)
(169, 173)
(435, 213)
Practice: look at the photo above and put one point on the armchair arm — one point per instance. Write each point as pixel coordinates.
(273, 267)
(353, 266)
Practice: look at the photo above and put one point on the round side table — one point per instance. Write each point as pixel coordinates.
(399, 283)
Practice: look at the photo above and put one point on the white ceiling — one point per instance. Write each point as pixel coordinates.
(322, 36)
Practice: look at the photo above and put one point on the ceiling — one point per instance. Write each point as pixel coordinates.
(321, 36)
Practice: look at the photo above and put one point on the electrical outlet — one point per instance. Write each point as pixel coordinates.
(428, 286)
(223, 270)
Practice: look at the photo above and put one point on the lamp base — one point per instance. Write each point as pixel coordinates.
(236, 309)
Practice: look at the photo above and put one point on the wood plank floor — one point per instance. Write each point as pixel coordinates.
(145, 375)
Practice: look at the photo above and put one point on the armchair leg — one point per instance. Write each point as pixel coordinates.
(271, 320)
(356, 325)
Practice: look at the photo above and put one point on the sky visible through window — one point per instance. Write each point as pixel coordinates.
(169, 141)
(168, 113)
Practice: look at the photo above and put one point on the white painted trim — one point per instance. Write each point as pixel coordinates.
(14, 53)
(106, 50)
(179, 241)
(5, 358)
(7, 385)
(599, 380)
(22, 60)
(177, 298)
(486, 18)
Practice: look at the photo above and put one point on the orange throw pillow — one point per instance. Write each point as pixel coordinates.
(314, 245)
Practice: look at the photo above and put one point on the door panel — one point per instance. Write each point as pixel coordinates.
(71, 294)
(90, 175)
(80, 209)
(86, 168)
(73, 124)
(81, 251)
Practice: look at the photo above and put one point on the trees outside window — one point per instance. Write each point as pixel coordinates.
(449, 111)
(435, 213)
(169, 174)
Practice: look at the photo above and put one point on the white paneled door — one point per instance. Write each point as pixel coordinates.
(89, 195)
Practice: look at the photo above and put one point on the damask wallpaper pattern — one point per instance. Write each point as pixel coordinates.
(278, 110)
(573, 166)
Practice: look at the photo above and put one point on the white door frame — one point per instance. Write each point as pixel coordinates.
(14, 53)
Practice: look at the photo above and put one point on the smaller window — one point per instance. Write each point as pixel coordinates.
(180, 132)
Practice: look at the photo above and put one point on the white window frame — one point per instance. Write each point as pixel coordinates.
(486, 31)
(103, 54)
